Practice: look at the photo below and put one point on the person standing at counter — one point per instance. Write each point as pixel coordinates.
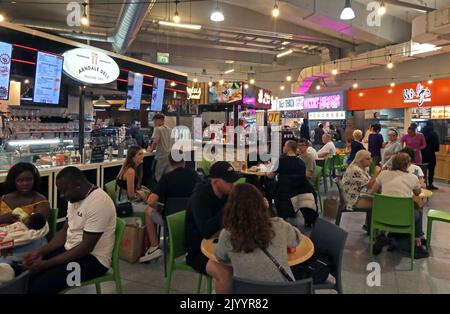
(135, 132)
(304, 130)
(415, 141)
(376, 143)
(129, 180)
(22, 182)
(429, 152)
(162, 142)
(318, 133)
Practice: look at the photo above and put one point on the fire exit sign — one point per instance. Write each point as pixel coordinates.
(162, 58)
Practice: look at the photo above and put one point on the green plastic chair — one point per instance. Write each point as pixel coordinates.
(372, 168)
(52, 221)
(438, 215)
(338, 162)
(205, 165)
(113, 275)
(317, 174)
(393, 214)
(240, 181)
(175, 225)
(110, 189)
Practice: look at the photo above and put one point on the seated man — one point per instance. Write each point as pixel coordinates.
(204, 220)
(179, 182)
(328, 150)
(87, 237)
(308, 158)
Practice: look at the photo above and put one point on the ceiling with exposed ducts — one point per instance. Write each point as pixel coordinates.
(247, 41)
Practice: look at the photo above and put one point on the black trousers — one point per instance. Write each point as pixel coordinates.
(54, 280)
(431, 167)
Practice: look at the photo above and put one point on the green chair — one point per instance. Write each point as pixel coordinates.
(52, 221)
(317, 174)
(110, 189)
(205, 165)
(438, 215)
(393, 214)
(372, 168)
(327, 171)
(240, 181)
(338, 162)
(175, 225)
(113, 275)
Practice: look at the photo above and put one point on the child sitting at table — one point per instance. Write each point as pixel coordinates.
(249, 231)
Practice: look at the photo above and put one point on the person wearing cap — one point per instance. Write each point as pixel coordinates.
(204, 220)
(162, 142)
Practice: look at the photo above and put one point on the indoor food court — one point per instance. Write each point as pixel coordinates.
(224, 147)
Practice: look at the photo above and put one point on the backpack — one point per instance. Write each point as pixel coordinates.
(318, 267)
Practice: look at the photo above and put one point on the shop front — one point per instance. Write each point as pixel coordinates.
(49, 94)
(327, 109)
(396, 107)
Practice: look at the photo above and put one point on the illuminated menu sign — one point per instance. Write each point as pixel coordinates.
(5, 69)
(312, 103)
(421, 95)
(327, 115)
(47, 82)
(257, 97)
(134, 91)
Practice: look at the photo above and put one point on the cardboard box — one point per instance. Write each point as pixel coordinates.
(132, 243)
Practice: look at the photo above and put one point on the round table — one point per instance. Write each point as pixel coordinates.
(302, 253)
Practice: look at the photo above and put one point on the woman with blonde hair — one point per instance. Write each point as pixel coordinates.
(355, 145)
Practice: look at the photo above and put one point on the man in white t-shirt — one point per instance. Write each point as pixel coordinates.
(162, 142)
(87, 237)
(328, 150)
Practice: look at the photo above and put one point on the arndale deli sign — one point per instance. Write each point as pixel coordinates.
(90, 66)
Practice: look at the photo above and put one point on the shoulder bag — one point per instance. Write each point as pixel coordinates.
(279, 267)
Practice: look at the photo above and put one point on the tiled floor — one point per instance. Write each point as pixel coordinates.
(431, 275)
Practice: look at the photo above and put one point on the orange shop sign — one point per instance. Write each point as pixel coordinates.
(409, 95)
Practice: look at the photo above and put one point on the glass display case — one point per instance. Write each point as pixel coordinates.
(44, 153)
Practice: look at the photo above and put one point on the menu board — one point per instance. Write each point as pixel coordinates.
(134, 91)
(47, 82)
(437, 112)
(225, 93)
(158, 94)
(447, 112)
(5, 69)
(421, 113)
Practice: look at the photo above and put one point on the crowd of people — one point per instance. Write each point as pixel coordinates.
(250, 222)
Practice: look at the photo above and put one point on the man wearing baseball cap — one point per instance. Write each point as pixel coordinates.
(204, 220)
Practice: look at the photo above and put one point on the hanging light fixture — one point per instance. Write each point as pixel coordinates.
(347, 13)
(245, 86)
(195, 80)
(176, 17)
(101, 102)
(430, 81)
(252, 81)
(355, 85)
(289, 76)
(2, 17)
(392, 84)
(334, 71)
(282, 87)
(318, 87)
(217, 15)
(210, 83)
(382, 8)
(390, 65)
(84, 18)
(275, 10)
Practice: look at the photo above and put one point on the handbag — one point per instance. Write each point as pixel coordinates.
(124, 209)
(318, 268)
(279, 267)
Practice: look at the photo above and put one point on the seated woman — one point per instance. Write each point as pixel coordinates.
(391, 147)
(356, 181)
(355, 145)
(399, 182)
(129, 180)
(22, 183)
(248, 230)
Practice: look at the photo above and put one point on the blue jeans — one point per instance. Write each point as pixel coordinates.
(18, 252)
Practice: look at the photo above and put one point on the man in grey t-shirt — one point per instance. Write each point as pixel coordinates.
(307, 157)
(162, 141)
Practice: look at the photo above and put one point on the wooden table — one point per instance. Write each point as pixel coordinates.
(254, 173)
(302, 253)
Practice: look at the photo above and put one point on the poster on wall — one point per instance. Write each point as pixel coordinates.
(47, 82)
(5, 69)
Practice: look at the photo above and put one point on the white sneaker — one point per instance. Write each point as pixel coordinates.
(151, 254)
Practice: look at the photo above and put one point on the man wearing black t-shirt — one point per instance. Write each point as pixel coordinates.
(203, 220)
(289, 163)
(179, 182)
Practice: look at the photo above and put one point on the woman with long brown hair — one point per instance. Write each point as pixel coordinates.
(249, 228)
(129, 179)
